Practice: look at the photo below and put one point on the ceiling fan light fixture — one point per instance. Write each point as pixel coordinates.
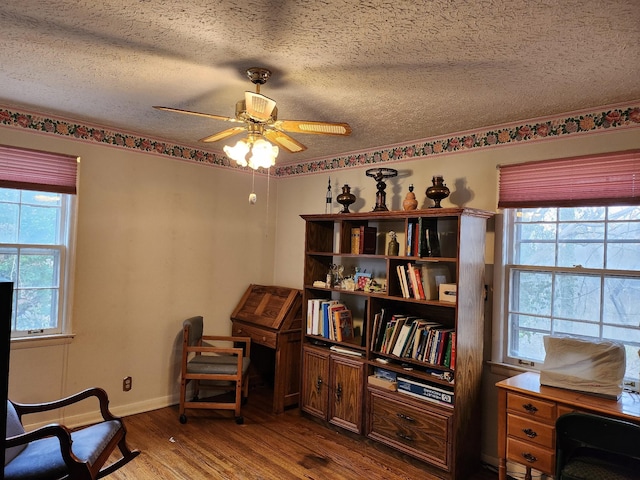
(238, 152)
(263, 153)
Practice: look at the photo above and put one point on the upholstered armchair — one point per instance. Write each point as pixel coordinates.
(57, 452)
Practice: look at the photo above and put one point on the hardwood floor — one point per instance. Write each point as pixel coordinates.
(287, 446)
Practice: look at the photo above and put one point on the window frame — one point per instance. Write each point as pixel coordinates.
(504, 268)
(66, 252)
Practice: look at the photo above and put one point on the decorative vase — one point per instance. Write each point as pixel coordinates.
(410, 202)
(438, 191)
(346, 198)
(394, 246)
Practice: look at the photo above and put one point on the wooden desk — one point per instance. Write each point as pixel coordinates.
(272, 317)
(527, 413)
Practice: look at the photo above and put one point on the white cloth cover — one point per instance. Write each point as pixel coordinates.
(591, 366)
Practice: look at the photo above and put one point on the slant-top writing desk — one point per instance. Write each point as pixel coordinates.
(527, 413)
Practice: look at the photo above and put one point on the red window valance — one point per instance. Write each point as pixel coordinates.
(592, 180)
(27, 169)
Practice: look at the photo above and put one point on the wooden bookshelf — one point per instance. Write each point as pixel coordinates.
(441, 426)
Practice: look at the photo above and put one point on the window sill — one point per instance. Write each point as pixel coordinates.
(44, 341)
(508, 370)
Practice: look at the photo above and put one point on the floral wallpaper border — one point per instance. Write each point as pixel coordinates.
(618, 116)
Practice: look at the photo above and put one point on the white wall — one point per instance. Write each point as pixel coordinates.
(158, 240)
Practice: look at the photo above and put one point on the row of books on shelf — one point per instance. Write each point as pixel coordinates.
(422, 281)
(422, 238)
(329, 319)
(413, 337)
(422, 389)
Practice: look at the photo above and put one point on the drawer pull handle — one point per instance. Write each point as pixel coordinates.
(318, 384)
(529, 433)
(405, 437)
(530, 408)
(529, 457)
(339, 393)
(405, 417)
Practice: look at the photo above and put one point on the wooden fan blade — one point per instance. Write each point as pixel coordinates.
(229, 132)
(189, 112)
(283, 140)
(320, 128)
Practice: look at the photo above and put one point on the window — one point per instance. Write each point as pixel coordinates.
(37, 204)
(575, 271)
(570, 255)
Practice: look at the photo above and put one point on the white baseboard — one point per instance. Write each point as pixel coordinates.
(73, 421)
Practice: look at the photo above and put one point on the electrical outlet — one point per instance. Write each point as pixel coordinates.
(126, 384)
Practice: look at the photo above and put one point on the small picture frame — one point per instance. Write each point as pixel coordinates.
(361, 280)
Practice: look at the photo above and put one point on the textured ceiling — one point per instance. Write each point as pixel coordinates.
(395, 70)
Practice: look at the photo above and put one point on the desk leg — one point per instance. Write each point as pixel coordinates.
(527, 476)
(502, 469)
(502, 434)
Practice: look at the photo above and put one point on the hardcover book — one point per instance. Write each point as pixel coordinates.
(368, 240)
(425, 391)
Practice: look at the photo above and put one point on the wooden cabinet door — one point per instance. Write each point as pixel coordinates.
(315, 382)
(347, 392)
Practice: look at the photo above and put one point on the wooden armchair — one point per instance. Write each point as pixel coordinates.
(57, 452)
(221, 367)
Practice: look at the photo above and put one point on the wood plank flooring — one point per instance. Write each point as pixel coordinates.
(287, 446)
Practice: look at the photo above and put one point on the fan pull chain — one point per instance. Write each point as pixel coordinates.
(252, 196)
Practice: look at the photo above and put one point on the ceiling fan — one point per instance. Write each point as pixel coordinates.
(259, 116)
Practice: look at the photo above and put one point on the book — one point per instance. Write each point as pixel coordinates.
(380, 330)
(344, 325)
(403, 336)
(346, 351)
(403, 281)
(429, 244)
(452, 364)
(410, 237)
(326, 324)
(413, 278)
(355, 240)
(368, 240)
(397, 328)
(334, 307)
(314, 306)
(426, 391)
(447, 354)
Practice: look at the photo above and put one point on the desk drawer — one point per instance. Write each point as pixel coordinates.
(531, 455)
(529, 406)
(258, 335)
(416, 431)
(530, 431)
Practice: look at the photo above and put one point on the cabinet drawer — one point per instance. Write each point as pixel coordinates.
(258, 335)
(416, 431)
(531, 455)
(531, 431)
(529, 406)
